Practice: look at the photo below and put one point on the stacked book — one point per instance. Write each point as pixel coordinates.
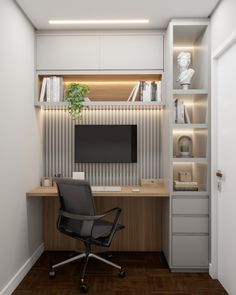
(146, 91)
(180, 112)
(185, 185)
(134, 93)
(52, 89)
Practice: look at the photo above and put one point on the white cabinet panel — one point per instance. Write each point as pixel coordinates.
(190, 224)
(190, 206)
(64, 52)
(190, 251)
(132, 52)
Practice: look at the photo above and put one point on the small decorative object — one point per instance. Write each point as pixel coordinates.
(153, 182)
(185, 185)
(186, 74)
(78, 175)
(185, 146)
(46, 181)
(75, 94)
(185, 176)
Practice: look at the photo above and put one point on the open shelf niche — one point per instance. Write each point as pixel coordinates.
(193, 39)
(197, 107)
(199, 142)
(198, 172)
(105, 90)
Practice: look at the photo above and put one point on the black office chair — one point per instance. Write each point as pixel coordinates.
(78, 219)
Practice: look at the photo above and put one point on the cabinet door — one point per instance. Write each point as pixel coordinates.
(132, 52)
(67, 52)
(190, 251)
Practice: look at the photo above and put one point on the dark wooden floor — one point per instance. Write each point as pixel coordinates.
(147, 274)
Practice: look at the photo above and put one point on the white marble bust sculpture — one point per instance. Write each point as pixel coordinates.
(186, 74)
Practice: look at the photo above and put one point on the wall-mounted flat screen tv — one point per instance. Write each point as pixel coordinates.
(105, 143)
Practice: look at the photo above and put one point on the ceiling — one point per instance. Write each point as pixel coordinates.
(159, 12)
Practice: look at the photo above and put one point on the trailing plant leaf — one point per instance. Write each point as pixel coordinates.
(75, 94)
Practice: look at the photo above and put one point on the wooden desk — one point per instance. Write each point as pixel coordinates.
(141, 215)
(126, 191)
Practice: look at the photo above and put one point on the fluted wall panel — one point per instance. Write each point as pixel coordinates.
(59, 145)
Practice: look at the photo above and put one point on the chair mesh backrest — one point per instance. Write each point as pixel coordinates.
(75, 196)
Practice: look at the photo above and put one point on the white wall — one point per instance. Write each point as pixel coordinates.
(20, 145)
(223, 22)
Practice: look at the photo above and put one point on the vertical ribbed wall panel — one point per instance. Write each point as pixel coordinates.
(59, 145)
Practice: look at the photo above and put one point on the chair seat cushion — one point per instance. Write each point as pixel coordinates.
(103, 228)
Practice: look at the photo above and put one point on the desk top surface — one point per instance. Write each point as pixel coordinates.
(126, 191)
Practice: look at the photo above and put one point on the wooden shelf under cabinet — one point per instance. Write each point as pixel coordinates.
(104, 87)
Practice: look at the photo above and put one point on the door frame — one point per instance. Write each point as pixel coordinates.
(217, 54)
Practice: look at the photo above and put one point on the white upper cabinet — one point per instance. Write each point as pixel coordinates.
(66, 52)
(99, 52)
(132, 52)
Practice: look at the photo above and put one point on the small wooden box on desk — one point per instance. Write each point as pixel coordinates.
(141, 215)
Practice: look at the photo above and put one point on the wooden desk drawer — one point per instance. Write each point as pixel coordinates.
(190, 224)
(190, 205)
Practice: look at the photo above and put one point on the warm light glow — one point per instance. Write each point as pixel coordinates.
(184, 163)
(183, 131)
(104, 82)
(177, 48)
(188, 103)
(99, 21)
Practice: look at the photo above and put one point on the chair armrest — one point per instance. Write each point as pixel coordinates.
(117, 210)
(109, 212)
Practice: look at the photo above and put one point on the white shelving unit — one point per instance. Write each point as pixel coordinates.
(191, 36)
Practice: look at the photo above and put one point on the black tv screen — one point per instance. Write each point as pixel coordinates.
(105, 143)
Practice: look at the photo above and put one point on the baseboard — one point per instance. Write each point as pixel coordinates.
(18, 277)
(212, 271)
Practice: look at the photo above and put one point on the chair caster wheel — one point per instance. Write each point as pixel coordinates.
(122, 273)
(83, 288)
(52, 274)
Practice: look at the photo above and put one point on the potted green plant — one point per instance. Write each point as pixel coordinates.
(75, 94)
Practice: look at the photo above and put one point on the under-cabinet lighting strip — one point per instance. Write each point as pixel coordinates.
(104, 82)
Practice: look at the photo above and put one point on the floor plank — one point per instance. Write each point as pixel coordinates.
(147, 274)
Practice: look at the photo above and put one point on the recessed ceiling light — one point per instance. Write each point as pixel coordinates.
(114, 21)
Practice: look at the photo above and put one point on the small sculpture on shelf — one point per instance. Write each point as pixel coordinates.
(185, 146)
(186, 74)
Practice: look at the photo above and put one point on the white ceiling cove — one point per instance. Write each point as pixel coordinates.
(159, 12)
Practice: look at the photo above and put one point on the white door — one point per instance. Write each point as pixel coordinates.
(226, 162)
